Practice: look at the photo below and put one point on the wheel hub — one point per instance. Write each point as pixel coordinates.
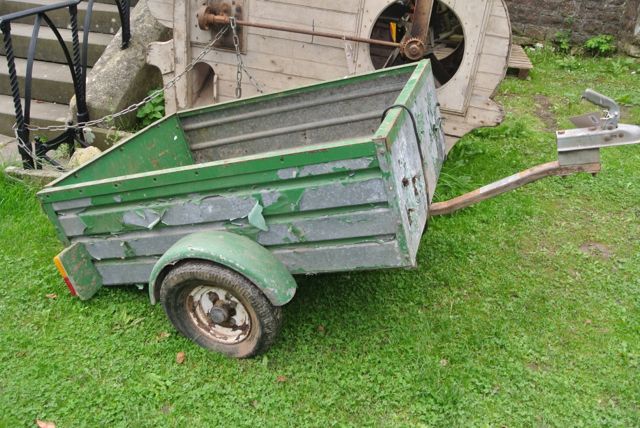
(219, 314)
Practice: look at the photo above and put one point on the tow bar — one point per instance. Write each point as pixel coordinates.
(578, 151)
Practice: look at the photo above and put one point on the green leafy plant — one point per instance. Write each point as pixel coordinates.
(569, 63)
(114, 135)
(562, 41)
(602, 45)
(629, 100)
(153, 110)
(620, 66)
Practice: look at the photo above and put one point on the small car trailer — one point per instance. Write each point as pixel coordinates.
(217, 208)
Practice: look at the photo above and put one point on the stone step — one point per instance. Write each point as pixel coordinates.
(51, 81)
(48, 48)
(105, 18)
(47, 114)
(42, 114)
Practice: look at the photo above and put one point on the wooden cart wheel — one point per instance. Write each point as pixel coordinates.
(219, 309)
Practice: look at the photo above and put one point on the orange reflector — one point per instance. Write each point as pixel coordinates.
(63, 273)
(393, 27)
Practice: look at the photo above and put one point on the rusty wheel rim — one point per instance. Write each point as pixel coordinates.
(219, 314)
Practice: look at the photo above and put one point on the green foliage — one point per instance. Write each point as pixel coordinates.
(524, 310)
(623, 65)
(602, 45)
(153, 110)
(114, 135)
(562, 41)
(629, 100)
(569, 63)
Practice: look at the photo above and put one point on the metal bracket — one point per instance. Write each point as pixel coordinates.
(582, 145)
(226, 9)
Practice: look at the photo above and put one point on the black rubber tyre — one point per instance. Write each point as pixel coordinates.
(185, 312)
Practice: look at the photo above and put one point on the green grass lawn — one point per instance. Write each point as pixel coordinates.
(525, 310)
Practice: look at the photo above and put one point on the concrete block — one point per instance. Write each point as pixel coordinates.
(8, 151)
(122, 77)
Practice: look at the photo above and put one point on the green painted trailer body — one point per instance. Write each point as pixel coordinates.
(312, 174)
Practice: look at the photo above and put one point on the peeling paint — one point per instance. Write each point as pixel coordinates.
(72, 204)
(287, 200)
(256, 218)
(327, 168)
(129, 253)
(146, 218)
(343, 194)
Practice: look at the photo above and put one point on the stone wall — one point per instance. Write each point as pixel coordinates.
(542, 19)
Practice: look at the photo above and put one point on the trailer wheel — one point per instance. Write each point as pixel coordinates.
(219, 309)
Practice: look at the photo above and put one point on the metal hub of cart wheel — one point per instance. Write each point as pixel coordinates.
(219, 314)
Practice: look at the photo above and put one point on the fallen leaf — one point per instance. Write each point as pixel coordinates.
(52, 296)
(281, 379)
(45, 424)
(163, 335)
(180, 357)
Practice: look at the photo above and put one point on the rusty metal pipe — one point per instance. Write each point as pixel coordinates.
(207, 19)
(421, 20)
(414, 46)
(510, 183)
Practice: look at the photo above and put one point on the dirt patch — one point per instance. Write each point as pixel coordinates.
(537, 367)
(545, 113)
(626, 111)
(595, 249)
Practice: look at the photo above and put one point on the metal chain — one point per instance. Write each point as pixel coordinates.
(111, 117)
(241, 69)
(240, 63)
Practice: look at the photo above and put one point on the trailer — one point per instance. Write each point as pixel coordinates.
(218, 208)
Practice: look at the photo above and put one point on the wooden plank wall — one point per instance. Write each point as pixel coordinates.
(492, 67)
(279, 60)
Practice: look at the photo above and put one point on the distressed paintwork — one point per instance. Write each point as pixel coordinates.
(348, 197)
(160, 146)
(384, 252)
(286, 230)
(412, 173)
(202, 209)
(211, 176)
(236, 252)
